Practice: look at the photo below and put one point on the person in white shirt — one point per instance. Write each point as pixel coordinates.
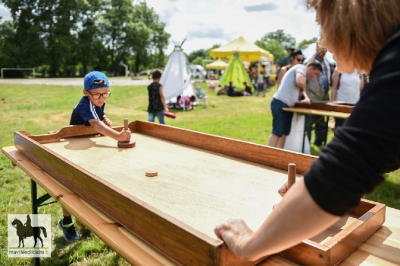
(346, 87)
(287, 95)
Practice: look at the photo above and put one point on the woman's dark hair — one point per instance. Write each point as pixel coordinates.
(294, 53)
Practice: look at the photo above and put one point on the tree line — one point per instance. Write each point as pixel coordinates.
(67, 38)
(278, 43)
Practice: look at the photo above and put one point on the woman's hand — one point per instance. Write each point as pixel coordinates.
(235, 234)
(282, 191)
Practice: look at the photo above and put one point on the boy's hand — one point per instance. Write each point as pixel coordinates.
(166, 109)
(124, 135)
(107, 121)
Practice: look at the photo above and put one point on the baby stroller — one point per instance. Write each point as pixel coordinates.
(200, 95)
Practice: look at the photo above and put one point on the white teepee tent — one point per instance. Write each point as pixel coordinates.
(176, 76)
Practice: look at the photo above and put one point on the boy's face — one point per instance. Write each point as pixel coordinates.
(311, 72)
(97, 96)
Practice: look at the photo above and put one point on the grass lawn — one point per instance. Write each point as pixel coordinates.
(40, 108)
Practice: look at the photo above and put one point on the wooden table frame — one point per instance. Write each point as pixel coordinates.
(322, 113)
(112, 235)
(382, 248)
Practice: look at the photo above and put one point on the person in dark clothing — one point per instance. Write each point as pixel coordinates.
(364, 148)
(232, 92)
(157, 105)
(247, 88)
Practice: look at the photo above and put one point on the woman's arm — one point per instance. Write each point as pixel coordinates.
(280, 76)
(295, 218)
(335, 83)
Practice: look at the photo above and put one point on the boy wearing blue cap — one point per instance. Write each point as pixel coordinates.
(90, 112)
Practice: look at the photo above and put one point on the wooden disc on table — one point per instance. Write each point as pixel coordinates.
(126, 144)
(151, 173)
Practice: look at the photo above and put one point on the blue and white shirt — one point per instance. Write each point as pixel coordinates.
(323, 75)
(86, 110)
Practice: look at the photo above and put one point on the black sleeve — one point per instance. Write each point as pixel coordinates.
(368, 145)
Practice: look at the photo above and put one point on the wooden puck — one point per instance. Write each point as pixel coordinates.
(151, 173)
(126, 144)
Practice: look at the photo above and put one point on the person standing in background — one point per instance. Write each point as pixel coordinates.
(317, 89)
(295, 57)
(346, 87)
(157, 105)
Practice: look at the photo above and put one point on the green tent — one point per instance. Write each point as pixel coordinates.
(236, 73)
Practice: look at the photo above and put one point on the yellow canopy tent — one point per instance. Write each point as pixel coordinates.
(247, 51)
(218, 64)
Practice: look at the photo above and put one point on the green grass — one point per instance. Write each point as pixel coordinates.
(40, 108)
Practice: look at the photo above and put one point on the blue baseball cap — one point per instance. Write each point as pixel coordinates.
(95, 80)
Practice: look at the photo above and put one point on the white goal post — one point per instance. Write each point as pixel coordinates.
(33, 70)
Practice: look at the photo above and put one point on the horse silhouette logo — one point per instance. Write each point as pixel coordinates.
(26, 230)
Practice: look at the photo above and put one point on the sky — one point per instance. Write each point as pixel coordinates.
(204, 23)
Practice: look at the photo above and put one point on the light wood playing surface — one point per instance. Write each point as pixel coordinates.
(202, 192)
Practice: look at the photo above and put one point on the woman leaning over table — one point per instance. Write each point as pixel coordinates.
(351, 165)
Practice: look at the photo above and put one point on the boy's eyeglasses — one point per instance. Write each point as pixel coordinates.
(99, 95)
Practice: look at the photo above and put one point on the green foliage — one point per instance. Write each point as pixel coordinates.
(197, 54)
(274, 47)
(286, 40)
(69, 38)
(304, 43)
(197, 57)
(198, 61)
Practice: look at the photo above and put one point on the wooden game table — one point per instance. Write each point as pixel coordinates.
(202, 181)
(322, 109)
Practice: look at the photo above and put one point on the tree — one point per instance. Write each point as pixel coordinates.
(304, 43)
(274, 47)
(146, 36)
(286, 40)
(21, 43)
(117, 17)
(196, 54)
(197, 61)
(89, 50)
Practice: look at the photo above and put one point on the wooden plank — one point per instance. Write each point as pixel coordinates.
(346, 241)
(307, 111)
(327, 106)
(332, 246)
